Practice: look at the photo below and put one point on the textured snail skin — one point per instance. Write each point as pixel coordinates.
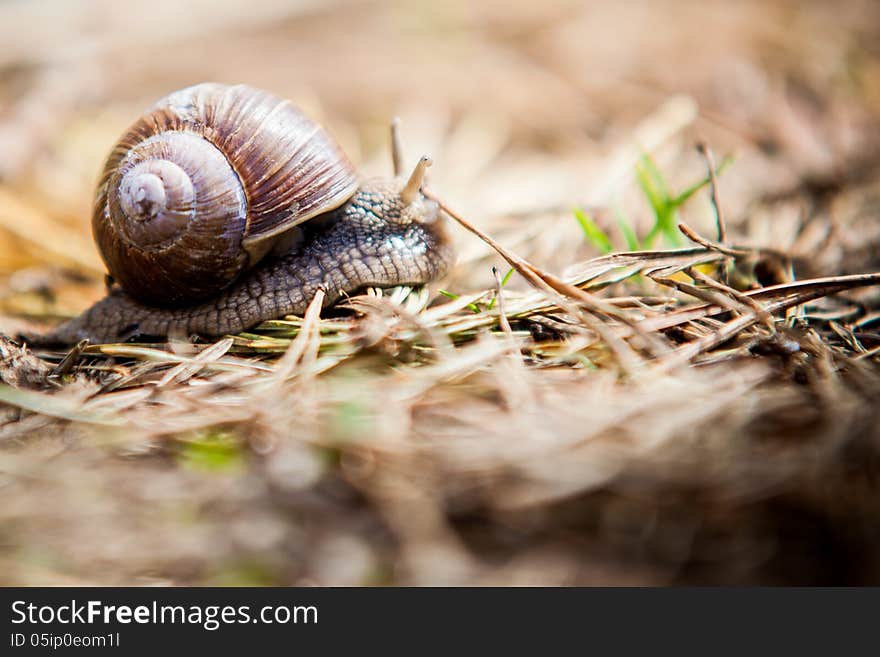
(373, 240)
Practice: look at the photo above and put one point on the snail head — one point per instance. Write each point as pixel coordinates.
(412, 205)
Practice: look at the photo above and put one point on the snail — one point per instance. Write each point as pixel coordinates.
(224, 206)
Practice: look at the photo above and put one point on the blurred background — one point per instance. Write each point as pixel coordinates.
(528, 110)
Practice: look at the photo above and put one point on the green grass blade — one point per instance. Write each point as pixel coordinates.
(629, 233)
(659, 183)
(592, 231)
(451, 295)
(693, 189)
(656, 190)
(654, 196)
(503, 283)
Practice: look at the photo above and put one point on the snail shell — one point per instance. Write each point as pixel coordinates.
(201, 187)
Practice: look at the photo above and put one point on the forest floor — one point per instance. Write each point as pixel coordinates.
(661, 367)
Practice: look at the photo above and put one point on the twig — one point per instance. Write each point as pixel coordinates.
(554, 287)
(709, 296)
(694, 236)
(706, 152)
(744, 299)
(693, 349)
(733, 251)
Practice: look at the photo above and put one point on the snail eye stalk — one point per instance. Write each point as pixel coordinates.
(411, 189)
(396, 148)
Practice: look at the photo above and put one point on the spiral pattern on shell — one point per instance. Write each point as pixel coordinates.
(201, 186)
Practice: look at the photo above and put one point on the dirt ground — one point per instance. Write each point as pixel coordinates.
(685, 412)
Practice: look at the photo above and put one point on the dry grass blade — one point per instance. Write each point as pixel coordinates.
(396, 321)
(463, 363)
(636, 262)
(775, 298)
(54, 406)
(786, 295)
(305, 347)
(502, 315)
(870, 353)
(69, 359)
(188, 369)
(691, 350)
(742, 298)
(706, 151)
(555, 287)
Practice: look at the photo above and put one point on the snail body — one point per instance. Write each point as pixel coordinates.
(224, 206)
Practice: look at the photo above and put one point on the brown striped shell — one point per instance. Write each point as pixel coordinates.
(201, 187)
